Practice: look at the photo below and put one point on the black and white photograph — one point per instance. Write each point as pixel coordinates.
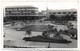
(40, 25)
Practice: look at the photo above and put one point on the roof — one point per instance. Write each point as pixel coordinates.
(21, 7)
(63, 10)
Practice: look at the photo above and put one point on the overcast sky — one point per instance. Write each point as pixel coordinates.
(44, 5)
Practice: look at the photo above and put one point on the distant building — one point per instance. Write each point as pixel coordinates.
(21, 11)
(60, 13)
(18, 12)
(43, 12)
(30, 11)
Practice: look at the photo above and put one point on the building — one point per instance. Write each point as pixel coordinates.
(44, 12)
(60, 13)
(21, 12)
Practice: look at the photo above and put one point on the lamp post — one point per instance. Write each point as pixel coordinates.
(49, 45)
(49, 28)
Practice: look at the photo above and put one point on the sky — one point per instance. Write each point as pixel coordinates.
(44, 5)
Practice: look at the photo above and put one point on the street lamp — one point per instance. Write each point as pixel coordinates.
(49, 28)
(49, 45)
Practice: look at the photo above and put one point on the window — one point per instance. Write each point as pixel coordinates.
(32, 11)
(59, 12)
(15, 9)
(28, 10)
(49, 12)
(74, 12)
(9, 11)
(28, 13)
(54, 13)
(64, 12)
(69, 12)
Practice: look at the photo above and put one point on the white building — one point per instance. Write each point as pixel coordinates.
(60, 13)
(21, 11)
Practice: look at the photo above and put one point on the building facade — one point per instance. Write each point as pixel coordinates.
(60, 13)
(21, 12)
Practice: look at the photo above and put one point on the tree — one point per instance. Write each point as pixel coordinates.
(52, 17)
(62, 18)
(28, 32)
(72, 17)
(73, 32)
(67, 17)
(5, 19)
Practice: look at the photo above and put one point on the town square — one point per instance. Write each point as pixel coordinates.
(27, 27)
